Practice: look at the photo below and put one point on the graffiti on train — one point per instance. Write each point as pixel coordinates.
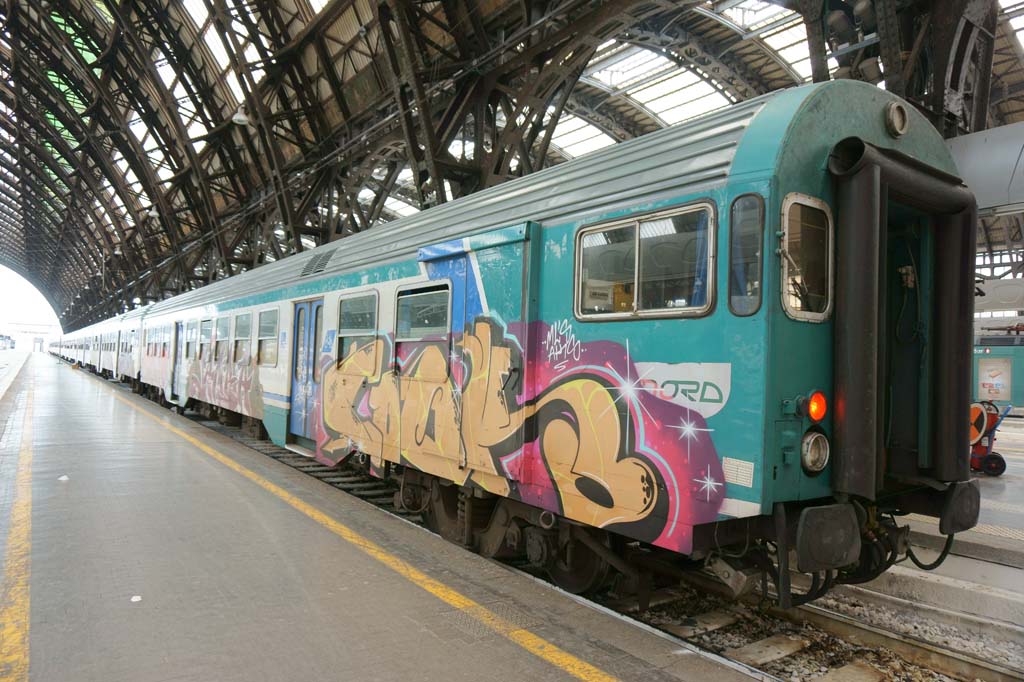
(233, 386)
(584, 438)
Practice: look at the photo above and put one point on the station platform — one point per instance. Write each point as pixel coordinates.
(139, 546)
(983, 575)
(999, 536)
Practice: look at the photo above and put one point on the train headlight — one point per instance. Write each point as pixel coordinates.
(814, 452)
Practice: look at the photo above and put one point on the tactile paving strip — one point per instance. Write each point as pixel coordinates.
(997, 531)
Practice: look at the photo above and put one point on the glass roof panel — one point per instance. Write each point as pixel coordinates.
(396, 205)
(197, 10)
(234, 86)
(220, 52)
(101, 9)
(575, 137)
(1014, 8)
(756, 13)
(628, 66)
(671, 83)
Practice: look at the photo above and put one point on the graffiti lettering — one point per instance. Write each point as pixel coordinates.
(234, 386)
(568, 440)
(561, 344)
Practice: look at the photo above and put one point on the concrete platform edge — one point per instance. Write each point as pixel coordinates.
(753, 673)
(941, 592)
(993, 550)
(12, 375)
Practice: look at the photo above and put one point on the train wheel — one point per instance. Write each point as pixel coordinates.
(585, 572)
(441, 513)
(994, 464)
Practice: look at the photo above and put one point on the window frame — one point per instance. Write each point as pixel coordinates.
(277, 332)
(208, 356)
(428, 287)
(217, 340)
(338, 337)
(790, 200)
(761, 273)
(235, 338)
(634, 221)
(419, 289)
(191, 339)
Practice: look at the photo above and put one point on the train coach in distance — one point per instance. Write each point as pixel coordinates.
(684, 352)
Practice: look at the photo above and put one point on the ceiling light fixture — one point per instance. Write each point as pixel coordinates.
(240, 117)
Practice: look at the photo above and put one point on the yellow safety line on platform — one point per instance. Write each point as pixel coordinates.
(14, 600)
(527, 640)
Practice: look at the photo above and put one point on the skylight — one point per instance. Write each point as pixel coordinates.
(576, 137)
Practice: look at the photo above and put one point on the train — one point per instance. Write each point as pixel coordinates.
(739, 345)
(998, 366)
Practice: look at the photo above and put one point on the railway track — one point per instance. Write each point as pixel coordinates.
(805, 643)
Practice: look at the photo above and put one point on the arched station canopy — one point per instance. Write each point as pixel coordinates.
(148, 147)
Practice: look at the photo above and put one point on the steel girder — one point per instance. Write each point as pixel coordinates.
(141, 160)
(937, 54)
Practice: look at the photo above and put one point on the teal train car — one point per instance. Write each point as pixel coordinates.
(700, 349)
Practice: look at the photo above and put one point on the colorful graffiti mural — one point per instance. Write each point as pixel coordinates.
(577, 430)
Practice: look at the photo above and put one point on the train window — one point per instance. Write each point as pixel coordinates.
(266, 347)
(609, 271)
(422, 315)
(806, 258)
(746, 225)
(357, 327)
(422, 322)
(300, 343)
(318, 330)
(223, 342)
(243, 332)
(205, 337)
(674, 262)
(653, 266)
(191, 336)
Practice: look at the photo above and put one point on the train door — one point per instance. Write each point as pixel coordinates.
(118, 340)
(306, 373)
(425, 356)
(178, 381)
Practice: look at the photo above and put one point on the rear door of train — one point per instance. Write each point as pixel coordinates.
(905, 248)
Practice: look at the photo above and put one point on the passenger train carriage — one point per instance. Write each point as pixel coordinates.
(694, 347)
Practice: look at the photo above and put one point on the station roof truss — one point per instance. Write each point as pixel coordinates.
(148, 147)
